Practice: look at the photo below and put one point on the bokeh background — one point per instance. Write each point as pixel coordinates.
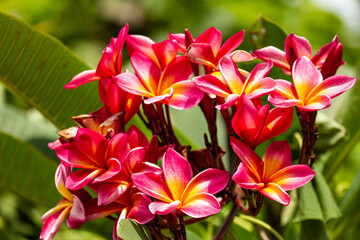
(86, 26)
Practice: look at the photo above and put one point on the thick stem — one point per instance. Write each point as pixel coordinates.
(181, 225)
(228, 221)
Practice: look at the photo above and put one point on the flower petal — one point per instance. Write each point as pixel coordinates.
(52, 224)
(324, 51)
(296, 47)
(259, 88)
(142, 44)
(113, 168)
(165, 51)
(162, 208)
(201, 53)
(132, 84)
(316, 103)
(292, 177)
(140, 211)
(241, 56)
(230, 45)
(200, 205)
(77, 215)
(186, 95)
(212, 85)
(61, 174)
(283, 102)
(213, 37)
(82, 78)
(117, 147)
(210, 181)
(109, 192)
(274, 54)
(180, 40)
(177, 172)
(305, 77)
(276, 193)
(277, 157)
(230, 100)
(248, 157)
(152, 185)
(333, 86)
(233, 79)
(93, 211)
(245, 179)
(81, 178)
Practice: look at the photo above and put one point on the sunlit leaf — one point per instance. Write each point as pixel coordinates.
(130, 230)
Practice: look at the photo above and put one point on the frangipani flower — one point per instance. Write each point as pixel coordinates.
(328, 58)
(256, 125)
(231, 84)
(170, 86)
(179, 190)
(309, 91)
(115, 99)
(272, 177)
(206, 49)
(71, 204)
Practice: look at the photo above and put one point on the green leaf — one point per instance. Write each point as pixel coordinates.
(313, 230)
(130, 230)
(35, 66)
(265, 32)
(309, 206)
(26, 171)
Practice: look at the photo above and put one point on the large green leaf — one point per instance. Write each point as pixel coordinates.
(36, 66)
(130, 230)
(26, 171)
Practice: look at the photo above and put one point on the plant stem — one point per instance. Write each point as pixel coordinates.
(228, 221)
(181, 224)
(263, 225)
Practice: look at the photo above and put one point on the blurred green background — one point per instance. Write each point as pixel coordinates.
(86, 26)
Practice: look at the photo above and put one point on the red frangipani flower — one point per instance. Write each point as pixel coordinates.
(71, 204)
(328, 58)
(255, 125)
(272, 177)
(180, 190)
(309, 91)
(231, 84)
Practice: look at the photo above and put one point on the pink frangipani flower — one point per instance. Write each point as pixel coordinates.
(179, 190)
(272, 177)
(255, 125)
(309, 91)
(328, 58)
(71, 204)
(170, 86)
(231, 84)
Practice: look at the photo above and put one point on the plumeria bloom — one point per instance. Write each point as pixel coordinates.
(71, 205)
(115, 99)
(328, 58)
(309, 91)
(255, 125)
(272, 177)
(170, 86)
(229, 83)
(206, 49)
(179, 190)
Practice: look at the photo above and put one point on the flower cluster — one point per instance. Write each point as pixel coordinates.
(121, 168)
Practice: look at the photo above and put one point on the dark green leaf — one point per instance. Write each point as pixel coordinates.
(130, 230)
(26, 171)
(313, 230)
(36, 66)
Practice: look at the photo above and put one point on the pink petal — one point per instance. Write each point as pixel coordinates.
(285, 89)
(82, 78)
(208, 181)
(212, 85)
(276, 193)
(283, 102)
(234, 80)
(93, 211)
(77, 214)
(248, 157)
(52, 225)
(113, 168)
(61, 174)
(117, 147)
(92, 144)
(138, 43)
(316, 103)
(61, 206)
(296, 47)
(136, 138)
(274, 54)
(140, 211)
(167, 94)
(152, 185)
(81, 178)
(200, 205)
(162, 208)
(132, 84)
(332, 62)
(135, 157)
(245, 179)
(324, 51)
(277, 157)
(180, 40)
(277, 122)
(292, 177)
(333, 86)
(186, 95)
(241, 56)
(165, 51)
(213, 37)
(120, 41)
(230, 45)
(260, 71)
(177, 70)
(201, 53)
(177, 172)
(106, 66)
(146, 69)
(259, 88)
(148, 167)
(305, 77)
(110, 192)
(230, 100)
